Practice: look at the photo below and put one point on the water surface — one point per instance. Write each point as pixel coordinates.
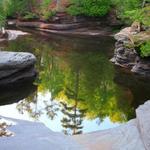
(78, 88)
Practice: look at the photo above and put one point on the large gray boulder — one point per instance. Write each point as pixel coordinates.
(16, 66)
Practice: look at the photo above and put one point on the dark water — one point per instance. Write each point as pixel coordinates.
(78, 89)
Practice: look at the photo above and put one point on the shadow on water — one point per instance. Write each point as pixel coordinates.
(137, 86)
(77, 81)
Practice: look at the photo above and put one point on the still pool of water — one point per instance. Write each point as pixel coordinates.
(78, 89)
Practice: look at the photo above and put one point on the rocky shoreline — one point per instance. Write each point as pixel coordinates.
(92, 29)
(125, 54)
(133, 135)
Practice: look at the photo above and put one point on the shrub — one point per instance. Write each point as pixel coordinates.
(89, 7)
(30, 15)
(140, 15)
(3, 12)
(126, 5)
(145, 49)
(45, 12)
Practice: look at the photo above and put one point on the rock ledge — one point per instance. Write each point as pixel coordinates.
(125, 54)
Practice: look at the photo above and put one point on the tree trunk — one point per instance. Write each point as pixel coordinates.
(143, 3)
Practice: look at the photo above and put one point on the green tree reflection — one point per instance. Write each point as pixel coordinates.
(81, 81)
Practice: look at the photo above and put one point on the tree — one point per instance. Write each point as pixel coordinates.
(19, 8)
(141, 15)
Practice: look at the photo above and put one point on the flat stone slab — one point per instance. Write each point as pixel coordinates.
(35, 136)
(125, 137)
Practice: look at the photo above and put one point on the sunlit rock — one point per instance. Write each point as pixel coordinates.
(30, 136)
(143, 119)
(134, 135)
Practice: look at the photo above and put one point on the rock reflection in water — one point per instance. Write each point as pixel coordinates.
(14, 93)
(138, 87)
(4, 124)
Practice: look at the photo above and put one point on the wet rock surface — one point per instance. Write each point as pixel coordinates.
(143, 66)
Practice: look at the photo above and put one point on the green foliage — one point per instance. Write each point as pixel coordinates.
(48, 14)
(127, 5)
(145, 49)
(2, 17)
(30, 15)
(3, 12)
(89, 7)
(22, 8)
(18, 8)
(140, 15)
(133, 10)
(45, 12)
